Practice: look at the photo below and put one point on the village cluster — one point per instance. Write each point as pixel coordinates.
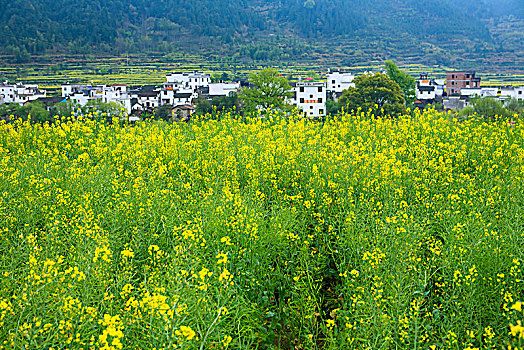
(181, 90)
(455, 92)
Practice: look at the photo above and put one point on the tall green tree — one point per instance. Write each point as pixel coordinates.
(488, 107)
(378, 93)
(270, 91)
(104, 111)
(202, 106)
(38, 113)
(64, 109)
(35, 109)
(164, 112)
(514, 106)
(225, 102)
(404, 80)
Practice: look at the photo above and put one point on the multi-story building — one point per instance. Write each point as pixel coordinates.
(7, 93)
(80, 98)
(223, 89)
(520, 93)
(70, 89)
(20, 93)
(507, 92)
(149, 99)
(310, 98)
(82, 94)
(176, 95)
(429, 89)
(502, 93)
(189, 80)
(455, 81)
(338, 82)
(117, 94)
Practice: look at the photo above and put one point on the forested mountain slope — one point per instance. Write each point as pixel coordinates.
(352, 30)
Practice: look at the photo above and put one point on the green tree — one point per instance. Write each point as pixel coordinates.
(164, 112)
(270, 91)
(377, 93)
(332, 106)
(104, 111)
(218, 103)
(11, 109)
(488, 107)
(404, 80)
(202, 106)
(467, 112)
(225, 102)
(514, 106)
(215, 78)
(34, 109)
(64, 109)
(38, 113)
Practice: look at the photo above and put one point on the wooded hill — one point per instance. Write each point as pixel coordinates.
(432, 32)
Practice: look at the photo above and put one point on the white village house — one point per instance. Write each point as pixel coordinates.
(502, 93)
(176, 95)
(223, 88)
(480, 91)
(147, 100)
(82, 94)
(429, 89)
(310, 98)
(7, 93)
(70, 89)
(20, 93)
(180, 89)
(516, 92)
(338, 82)
(189, 80)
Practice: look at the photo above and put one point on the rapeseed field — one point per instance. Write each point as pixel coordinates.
(263, 233)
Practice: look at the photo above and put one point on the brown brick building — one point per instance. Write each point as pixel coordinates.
(457, 80)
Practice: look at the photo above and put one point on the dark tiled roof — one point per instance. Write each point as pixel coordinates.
(182, 94)
(47, 100)
(148, 94)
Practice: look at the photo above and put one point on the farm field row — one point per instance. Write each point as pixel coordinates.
(274, 233)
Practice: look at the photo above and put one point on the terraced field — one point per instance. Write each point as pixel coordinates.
(134, 71)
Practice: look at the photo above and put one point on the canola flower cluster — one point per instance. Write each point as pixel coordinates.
(280, 232)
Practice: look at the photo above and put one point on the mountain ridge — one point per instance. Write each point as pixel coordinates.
(445, 32)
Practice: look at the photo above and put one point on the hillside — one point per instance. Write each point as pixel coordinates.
(337, 31)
